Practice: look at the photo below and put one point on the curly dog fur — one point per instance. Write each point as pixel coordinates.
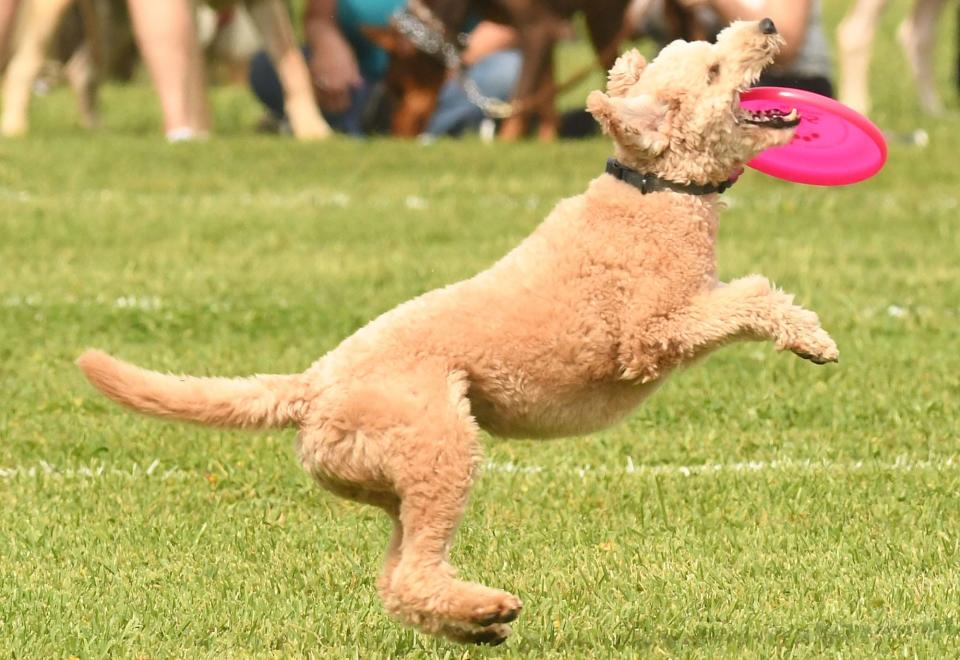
(564, 335)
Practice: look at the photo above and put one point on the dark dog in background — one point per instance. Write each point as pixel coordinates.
(416, 73)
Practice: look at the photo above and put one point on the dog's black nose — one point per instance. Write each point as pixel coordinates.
(767, 26)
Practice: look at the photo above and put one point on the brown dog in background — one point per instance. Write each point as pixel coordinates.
(415, 76)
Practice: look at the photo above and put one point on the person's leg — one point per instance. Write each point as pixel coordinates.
(350, 121)
(917, 35)
(8, 17)
(854, 49)
(273, 22)
(168, 42)
(265, 84)
(268, 89)
(37, 28)
(495, 76)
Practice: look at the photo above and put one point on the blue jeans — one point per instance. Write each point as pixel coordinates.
(267, 88)
(495, 75)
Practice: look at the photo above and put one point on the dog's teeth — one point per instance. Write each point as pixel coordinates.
(793, 114)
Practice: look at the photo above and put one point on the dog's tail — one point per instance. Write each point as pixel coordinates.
(258, 401)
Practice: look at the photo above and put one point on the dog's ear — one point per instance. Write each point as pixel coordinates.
(636, 122)
(625, 72)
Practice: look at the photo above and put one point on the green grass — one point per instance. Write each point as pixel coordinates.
(831, 527)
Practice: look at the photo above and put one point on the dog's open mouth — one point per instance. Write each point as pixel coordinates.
(772, 118)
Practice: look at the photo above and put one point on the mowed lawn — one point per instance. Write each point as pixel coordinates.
(757, 506)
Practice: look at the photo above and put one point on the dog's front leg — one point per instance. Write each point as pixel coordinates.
(752, 308)
(747, 308)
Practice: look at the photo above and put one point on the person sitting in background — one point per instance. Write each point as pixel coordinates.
(804, 61)
(348, 68)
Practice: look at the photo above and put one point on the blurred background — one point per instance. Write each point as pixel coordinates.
(756, 506)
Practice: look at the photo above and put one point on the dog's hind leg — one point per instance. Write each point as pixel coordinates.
(408, 444)
(748, 308)
(432, 462)
(463, 633)
(535, 90)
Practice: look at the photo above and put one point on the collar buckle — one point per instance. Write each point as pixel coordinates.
(646, 183)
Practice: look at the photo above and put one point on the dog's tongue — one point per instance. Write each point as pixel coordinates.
(736, 175)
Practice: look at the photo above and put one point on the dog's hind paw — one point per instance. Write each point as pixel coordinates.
(504, 609)
(492, 635)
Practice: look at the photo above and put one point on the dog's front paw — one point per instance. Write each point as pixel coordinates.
(803, 336)
(816, 346)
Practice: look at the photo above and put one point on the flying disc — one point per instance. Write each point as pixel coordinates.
(833, 145)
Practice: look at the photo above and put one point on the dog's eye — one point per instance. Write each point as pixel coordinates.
(712, 73)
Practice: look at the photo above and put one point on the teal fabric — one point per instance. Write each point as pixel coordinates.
(354, 14)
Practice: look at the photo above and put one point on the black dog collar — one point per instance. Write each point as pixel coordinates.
(649, 183)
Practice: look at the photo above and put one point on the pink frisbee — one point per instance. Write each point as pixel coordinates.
(833, 144)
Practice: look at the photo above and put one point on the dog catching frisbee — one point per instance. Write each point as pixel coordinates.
(565, 335)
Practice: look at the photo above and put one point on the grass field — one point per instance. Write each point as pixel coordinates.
(756, 506)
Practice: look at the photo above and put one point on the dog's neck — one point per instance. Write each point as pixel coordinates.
(647, 182)
(662, 212)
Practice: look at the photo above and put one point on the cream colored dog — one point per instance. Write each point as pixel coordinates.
(564, 335)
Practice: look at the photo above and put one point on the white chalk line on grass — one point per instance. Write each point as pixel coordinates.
(151, 303)
(786, 465)
(95, 471)
(156, 471)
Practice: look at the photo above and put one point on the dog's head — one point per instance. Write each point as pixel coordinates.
(679, 117)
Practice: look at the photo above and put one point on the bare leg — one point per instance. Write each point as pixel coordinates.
(8, 17)
(917, 35)
(81, 71)
(84, 66)
(168, 42)
(38, 25)
(271, 18)
(854, 43)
